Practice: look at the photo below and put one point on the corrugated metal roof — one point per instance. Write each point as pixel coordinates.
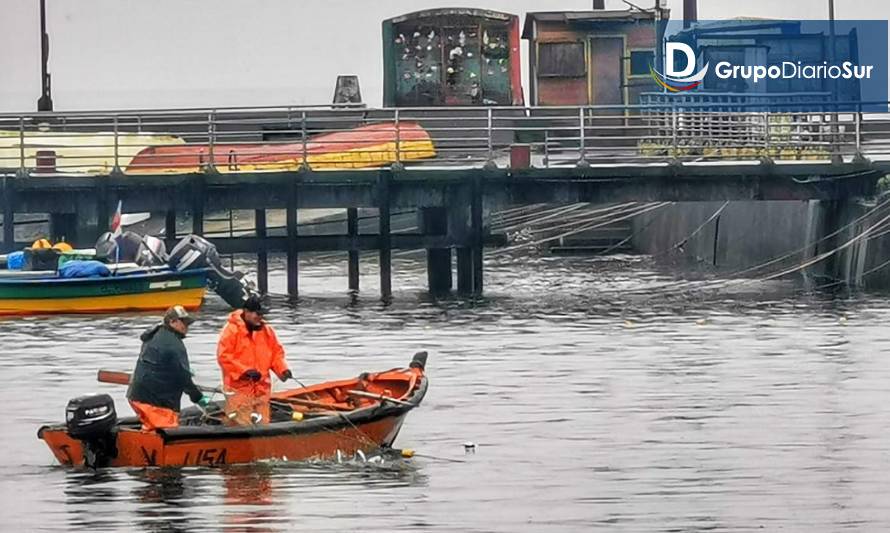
(569, 17)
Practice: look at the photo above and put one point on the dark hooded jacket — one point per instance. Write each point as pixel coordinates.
(162, 372)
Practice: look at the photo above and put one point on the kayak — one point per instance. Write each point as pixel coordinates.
(368, 146)
(320, 421)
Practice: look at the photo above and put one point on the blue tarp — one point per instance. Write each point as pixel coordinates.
(83, 269)
(15, 260)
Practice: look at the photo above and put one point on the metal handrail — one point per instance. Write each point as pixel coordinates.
(685, 130)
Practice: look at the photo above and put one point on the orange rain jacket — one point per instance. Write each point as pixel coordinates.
(239, 350)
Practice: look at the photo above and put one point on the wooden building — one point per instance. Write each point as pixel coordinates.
(591, 57)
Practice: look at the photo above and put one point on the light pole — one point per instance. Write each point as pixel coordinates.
(45, 103)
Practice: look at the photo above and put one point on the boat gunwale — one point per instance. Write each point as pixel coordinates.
(366, 415)
(137, 276)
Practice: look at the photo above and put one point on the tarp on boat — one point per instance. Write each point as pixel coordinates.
(83, 269)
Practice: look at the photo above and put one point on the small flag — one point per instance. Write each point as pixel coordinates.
(116, 221)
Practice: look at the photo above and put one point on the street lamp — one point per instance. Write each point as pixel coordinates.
(45, 103)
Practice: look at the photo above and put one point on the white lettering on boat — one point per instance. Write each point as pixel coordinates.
(165, 284)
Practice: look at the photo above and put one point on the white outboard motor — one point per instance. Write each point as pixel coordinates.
(197, 252)
(151, 252)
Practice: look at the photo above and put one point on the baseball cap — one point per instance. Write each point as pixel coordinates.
(178, 312)
(254, 303)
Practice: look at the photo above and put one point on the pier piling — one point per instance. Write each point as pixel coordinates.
(293, 263)
(262, 257)
(352, 232)
(385, 244)
(8, 216)
(433, 221)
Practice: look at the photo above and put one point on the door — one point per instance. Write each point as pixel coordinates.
(607, 70)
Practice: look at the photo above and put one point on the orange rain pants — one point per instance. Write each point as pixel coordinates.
(154, 417)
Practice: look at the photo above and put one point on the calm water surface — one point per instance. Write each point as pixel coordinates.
(753, 410)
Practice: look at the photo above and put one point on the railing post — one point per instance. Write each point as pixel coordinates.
(674, 127)
(117, 167)
(211, 133)
(581, 132)
(398, 138)
(22, 145)
(546, 149)
(766, 132)
(490, 129)
(304, 140)
(858, 120)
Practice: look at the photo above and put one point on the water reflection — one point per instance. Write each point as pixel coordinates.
(164, 498)
(248, 498)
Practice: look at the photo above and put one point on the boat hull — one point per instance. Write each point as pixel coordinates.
(139, 448)
(141, 292)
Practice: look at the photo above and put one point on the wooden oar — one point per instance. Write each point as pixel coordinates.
(310, 403)
(123, 378)
(365, 394)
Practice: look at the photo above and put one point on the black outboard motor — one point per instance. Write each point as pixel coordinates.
(91, 420)
(197, 252)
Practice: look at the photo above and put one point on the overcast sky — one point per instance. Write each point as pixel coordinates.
(111, 54)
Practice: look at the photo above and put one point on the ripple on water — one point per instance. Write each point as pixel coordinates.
(758, 409)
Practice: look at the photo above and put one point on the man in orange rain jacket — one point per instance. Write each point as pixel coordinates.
(248, 349)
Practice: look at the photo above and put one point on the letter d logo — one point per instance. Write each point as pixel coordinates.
(670, 62)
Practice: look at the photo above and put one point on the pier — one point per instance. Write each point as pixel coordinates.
(76, 167)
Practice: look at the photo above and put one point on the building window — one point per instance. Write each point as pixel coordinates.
(564, 60)
(640, 61)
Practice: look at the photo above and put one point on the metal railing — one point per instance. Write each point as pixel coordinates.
(258, 139)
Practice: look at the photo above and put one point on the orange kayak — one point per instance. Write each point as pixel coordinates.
(316, 422)
(368, 146)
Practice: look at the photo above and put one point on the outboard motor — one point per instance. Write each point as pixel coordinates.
(151, 252)
(197, 252)
(121, 250)
(105, 247)
(91, 420)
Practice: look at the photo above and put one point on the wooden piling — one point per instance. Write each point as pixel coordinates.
(434, 221)
(385, 244)
(465, 270)
(198, 205)
(170, 226)
(293, 263)
(352, 231)
(8, 216)
(103, 212)
(63, 227)
(476, 231)
(262, 257)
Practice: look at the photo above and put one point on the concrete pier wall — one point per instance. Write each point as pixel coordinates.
(747, 234)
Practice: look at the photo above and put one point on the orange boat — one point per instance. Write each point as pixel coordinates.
(316, 422)
(362, 147)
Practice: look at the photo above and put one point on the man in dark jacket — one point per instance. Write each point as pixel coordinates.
(162, 373)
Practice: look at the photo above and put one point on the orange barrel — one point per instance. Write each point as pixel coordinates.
(520, 156)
